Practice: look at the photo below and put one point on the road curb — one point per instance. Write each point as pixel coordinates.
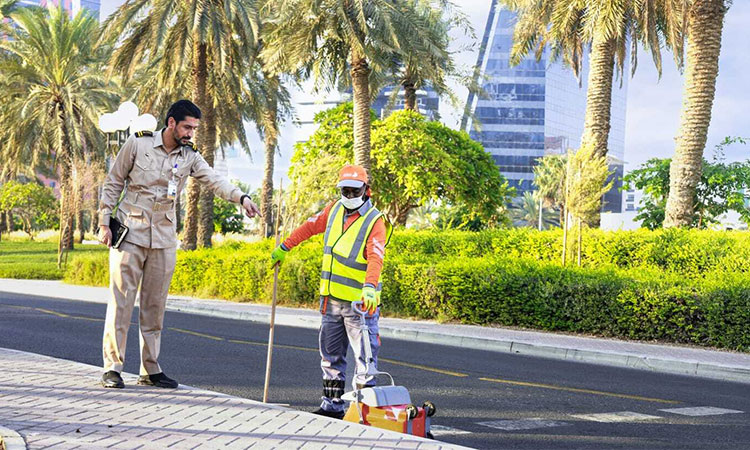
(663, 365)
(403, 329)
(10, 440)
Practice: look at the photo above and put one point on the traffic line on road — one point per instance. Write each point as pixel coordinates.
(621, 416)
(390, 361)
(54, 313)
(523, 424)
(579, 390)
(421, 367)
(265, 344)
(702, 411)
(442, 430)
(195, 333)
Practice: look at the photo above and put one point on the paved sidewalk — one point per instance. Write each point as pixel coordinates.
(723, 365)
(56, 403)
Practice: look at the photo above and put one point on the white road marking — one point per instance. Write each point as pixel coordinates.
(442, 430)
(522, 424)
(701, 411)
(622, 416)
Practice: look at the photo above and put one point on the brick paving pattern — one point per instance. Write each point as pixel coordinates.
(54, 403)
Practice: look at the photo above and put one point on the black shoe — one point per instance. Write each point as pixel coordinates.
(158, 380)
(112, 379)
(334, 414)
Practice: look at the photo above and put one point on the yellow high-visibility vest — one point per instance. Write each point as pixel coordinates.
(344, 265)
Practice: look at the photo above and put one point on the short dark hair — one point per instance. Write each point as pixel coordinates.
(181, 109)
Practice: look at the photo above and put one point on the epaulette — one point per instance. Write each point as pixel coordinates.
(144, 133)
(192, 147)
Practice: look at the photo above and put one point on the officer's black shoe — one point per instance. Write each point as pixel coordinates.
(158, 380)
(112, 379)
(335, 414)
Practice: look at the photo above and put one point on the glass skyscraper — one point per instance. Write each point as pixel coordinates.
(428, 102)
(535, 108)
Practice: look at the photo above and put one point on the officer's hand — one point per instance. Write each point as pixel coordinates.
(277, 256)
(105, 235)
(251, 209)
(370, 299)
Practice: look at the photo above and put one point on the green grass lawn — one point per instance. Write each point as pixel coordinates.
(37, 260)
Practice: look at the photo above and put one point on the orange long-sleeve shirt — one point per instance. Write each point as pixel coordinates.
(374, 248)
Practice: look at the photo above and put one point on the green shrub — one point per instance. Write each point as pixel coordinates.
(91, 270)
(675, 285)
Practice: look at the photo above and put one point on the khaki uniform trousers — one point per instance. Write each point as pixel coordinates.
(130, 266)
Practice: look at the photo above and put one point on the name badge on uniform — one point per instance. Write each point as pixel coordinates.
(172, 189)
(172, 185)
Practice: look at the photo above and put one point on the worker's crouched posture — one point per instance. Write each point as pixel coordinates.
(356, 234)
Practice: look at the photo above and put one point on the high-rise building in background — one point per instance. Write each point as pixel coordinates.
(535, 108)
(72, 6)
(428, 102)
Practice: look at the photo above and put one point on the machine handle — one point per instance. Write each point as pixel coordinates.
(357, 307)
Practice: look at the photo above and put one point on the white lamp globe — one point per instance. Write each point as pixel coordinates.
(107, 123)
(144, 122)
(129, 112)
(148, 122)
(118, 121)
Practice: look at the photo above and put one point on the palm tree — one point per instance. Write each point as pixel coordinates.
(214, 42)
(340, 43)
(549, 178)
(704, 29)
(7, 7)
(53, 94)
(526, 212)
(609, 27)
(432, 65)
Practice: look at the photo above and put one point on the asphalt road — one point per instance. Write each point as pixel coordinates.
(484, 399)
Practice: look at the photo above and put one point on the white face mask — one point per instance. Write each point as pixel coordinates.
(352, 203)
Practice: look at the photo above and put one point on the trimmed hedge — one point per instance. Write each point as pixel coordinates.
(678, 286)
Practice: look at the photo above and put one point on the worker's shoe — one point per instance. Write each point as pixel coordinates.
(334, 414)
(158, 380)
(112, 379)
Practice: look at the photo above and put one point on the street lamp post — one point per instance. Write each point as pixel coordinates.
(121, 123)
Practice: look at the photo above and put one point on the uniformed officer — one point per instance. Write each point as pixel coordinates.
(356, 235)
(149, 172)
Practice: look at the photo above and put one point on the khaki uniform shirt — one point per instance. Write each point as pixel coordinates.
(143, 170)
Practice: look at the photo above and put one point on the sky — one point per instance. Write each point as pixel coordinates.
(653, 103)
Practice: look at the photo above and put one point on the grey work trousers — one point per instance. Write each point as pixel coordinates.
(340, 326)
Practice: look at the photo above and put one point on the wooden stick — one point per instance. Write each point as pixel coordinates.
(273, 302)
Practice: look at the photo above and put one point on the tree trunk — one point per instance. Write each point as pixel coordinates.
(67, 207)
(541, 211)
(178, 213)
(361, 94)
(200, 77)
(270, 127)
(705, 23)
(206, 140)
(402, 216)
(3, 225)
(410, 96)
(580, 240)
(190, 236)
(79, 207)
(599, 98)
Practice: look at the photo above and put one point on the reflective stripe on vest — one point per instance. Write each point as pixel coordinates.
(344, 267)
